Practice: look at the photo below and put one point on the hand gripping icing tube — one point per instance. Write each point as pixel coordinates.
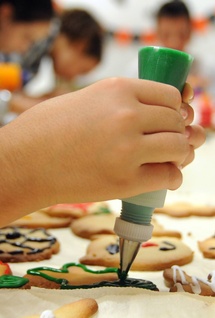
(134, 224)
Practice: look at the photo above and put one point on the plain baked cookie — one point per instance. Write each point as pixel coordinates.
(207, 247)
(83, 308)
(179, 281)
(92, 225)
(41, 219)
(184, 209)
(157, 254)
(77, 210)
(24, 245)
(70, 274)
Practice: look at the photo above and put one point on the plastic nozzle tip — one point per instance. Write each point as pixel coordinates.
(133, 231)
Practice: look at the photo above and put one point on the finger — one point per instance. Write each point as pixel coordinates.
(164, 147)
(187, 94)
(189, 158)
(154, 93)
(196, 135)
(187, 113)
(159, 119)
(161, 176)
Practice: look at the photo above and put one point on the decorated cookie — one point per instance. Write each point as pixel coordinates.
(77, 210)
(91, 225)
(70, 274)
(178, 280)
(76, 276)
(184, 209)
(41, 219)
(11, 281)
(24, 245)
(207, 247)
(84, 308)
(156, 254)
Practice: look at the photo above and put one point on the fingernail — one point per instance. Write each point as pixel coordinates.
(184, 113)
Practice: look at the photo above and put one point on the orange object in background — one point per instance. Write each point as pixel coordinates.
(10, 76)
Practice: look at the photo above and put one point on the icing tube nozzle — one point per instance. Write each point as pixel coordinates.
(171, 67)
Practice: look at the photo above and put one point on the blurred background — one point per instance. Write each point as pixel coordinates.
(131, 24)
(127, 25)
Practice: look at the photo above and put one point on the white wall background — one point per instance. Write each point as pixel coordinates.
(137, 16)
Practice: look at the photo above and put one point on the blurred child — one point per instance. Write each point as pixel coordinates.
(22, 23)
(174, 25)
(75, 50)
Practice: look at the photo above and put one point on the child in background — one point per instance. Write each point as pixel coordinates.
(49, 48)
(22, 23)
(174, 26)
(174, 30)
(74, 49)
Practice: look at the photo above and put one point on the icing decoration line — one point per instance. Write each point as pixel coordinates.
(195, 286)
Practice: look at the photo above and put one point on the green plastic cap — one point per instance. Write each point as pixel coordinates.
(164, 65)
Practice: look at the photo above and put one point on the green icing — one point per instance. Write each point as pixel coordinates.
(10, 281)
(103, 210)
(64, 284)
(64, 269)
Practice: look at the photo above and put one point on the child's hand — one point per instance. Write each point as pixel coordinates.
(195, 133)
(114, 139)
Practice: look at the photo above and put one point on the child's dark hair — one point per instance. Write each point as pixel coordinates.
(30, 10)
(173, 9)
(79, 25)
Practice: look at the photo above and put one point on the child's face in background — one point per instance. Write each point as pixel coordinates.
(174, 32)
(18, 37)
(70, 60)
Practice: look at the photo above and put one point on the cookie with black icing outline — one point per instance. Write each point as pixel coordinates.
(154, 255)
(25, 245)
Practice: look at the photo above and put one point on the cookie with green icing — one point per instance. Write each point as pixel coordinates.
(76, 276)
(11, 281)
(73, 274)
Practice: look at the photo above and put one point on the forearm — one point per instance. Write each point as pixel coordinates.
(27, 161)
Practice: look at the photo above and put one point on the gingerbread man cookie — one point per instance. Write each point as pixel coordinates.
(178, 280)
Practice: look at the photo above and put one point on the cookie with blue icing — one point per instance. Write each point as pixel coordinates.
(157, 254)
